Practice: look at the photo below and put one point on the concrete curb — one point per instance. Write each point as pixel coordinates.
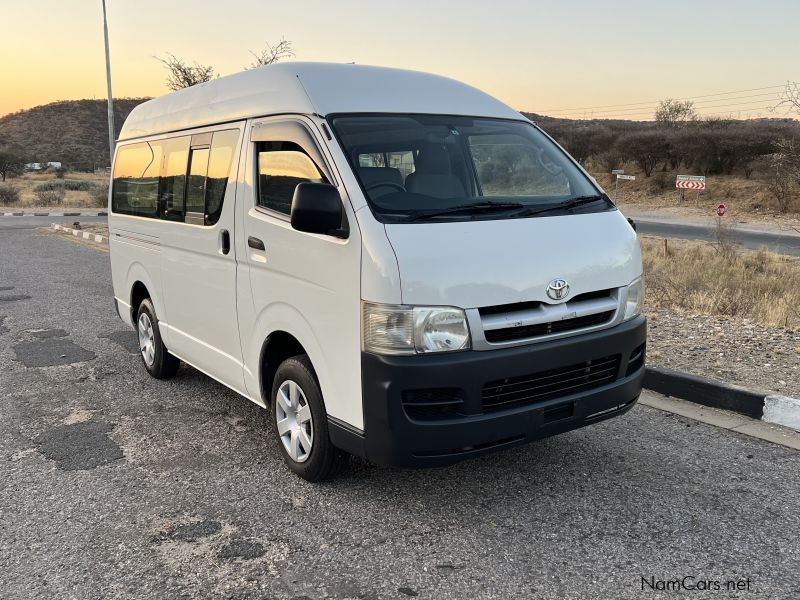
(85, 235)
(101, 213)
(778, 410)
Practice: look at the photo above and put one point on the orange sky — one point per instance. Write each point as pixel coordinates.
(569, 58)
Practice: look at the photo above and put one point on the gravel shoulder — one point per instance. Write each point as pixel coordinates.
(732, 350)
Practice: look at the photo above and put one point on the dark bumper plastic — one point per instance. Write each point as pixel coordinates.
(390, 437)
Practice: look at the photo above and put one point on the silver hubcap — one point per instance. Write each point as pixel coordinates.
(293, 415)
(147, 341)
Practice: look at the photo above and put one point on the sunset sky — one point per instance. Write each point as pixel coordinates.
(558, 58)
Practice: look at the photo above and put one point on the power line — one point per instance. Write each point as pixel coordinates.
(628, 112)
(637, 116)
(654, 106)
(768, 87)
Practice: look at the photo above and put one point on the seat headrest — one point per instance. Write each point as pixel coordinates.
(432, 160)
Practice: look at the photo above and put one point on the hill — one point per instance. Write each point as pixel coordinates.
(74, 132)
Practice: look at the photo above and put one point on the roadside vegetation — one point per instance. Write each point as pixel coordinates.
(47, 190)
(755, 162)
(721, 279)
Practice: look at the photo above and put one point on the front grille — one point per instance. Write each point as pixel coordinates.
(433, 403)
(554, 383)
(509, 334)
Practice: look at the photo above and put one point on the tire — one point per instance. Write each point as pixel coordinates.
(155, 357)
(303, 421)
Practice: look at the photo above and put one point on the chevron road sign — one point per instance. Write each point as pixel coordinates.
(690, 182)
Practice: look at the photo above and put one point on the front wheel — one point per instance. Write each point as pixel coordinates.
(301, 423)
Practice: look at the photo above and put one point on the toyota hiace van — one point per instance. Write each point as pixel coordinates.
(394, 264)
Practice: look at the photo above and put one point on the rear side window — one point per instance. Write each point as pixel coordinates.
(171, 177)
(172, 189)
(223, 147)
(281, 167)
(196, 186)
(135, 181)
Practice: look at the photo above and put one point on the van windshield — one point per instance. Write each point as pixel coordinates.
(416, 168)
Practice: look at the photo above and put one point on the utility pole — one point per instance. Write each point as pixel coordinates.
(110, 95)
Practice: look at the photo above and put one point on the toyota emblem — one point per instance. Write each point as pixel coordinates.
(558, 289)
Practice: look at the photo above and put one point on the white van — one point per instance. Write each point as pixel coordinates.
(396, 265)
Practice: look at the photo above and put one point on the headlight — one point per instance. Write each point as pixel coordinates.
(635, 302)
(399, 329)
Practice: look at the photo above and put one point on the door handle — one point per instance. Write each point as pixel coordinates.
(224, 241)
(255, 243)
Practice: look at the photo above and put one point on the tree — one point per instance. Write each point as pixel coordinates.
(272, 54)
(645, 148)
(11, 163)
(786, 173)
(181, 74)
(789, 98)
(673, 113)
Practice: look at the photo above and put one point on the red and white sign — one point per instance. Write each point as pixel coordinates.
(690, 182)
(721, 210)
(690, 185)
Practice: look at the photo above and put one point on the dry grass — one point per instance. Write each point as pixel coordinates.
(72, 199)
(718, 279)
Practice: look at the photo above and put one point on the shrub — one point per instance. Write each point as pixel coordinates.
(73, 185)
(8, 194)
(661, 182)
(49, 197)
(98, 197)
(60, 172)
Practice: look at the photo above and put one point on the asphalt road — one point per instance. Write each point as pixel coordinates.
(115, 485)
(781, 243)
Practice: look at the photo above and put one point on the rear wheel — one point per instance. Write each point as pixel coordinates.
(301, 423)
(158, 362)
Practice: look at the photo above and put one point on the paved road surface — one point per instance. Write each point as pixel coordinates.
(115, 485)
(782, 243)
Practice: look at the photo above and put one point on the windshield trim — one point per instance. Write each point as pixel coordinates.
(388, 218)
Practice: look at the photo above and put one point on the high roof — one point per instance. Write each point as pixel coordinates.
(310, 88)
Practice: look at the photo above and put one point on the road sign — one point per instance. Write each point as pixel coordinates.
(690, 182)
(627, 177)
(721, 210)
(617, 171)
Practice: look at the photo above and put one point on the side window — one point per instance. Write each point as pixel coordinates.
(196, 185)
(172, 190)
(281, 166)
(173, 177)
(223, 147)
(402, 160)
(135, 182)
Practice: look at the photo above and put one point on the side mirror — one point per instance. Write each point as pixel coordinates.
(317, 208)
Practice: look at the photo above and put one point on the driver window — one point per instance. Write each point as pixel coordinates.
(281, 166)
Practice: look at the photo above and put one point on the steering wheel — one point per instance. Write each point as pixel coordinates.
(386, 184)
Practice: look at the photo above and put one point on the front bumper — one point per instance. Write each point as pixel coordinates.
(392, 437)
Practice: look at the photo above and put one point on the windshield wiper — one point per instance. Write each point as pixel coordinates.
(568, 204)
(475, 207)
